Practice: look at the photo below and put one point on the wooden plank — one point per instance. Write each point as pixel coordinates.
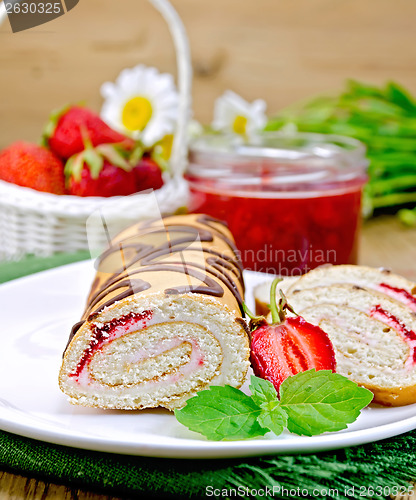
(387, 243)
(16, 487)
(281, 51)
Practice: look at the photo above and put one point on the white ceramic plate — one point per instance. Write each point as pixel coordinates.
(37, 313)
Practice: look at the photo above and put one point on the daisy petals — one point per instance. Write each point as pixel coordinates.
(158, 89)
(230, 105)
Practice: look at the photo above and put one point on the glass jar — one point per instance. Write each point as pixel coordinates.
(293, 202)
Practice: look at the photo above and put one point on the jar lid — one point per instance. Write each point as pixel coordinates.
(278, 161)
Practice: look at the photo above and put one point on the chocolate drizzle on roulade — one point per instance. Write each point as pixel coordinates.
(74, 330)
(131, 286)
(178, 244)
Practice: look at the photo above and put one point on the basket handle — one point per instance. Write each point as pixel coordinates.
(179, 155)
(3, 13)
(183, 60)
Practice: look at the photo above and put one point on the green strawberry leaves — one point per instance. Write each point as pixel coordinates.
(50, 127)
(94, 159)
(311, 403)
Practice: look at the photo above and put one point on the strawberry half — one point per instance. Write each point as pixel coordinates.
(288, 345)
(64, 134)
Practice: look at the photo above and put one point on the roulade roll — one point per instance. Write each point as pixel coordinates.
(381, 280)
(374, 337)
(163, 319)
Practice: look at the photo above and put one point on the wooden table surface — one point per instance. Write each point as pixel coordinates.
(385, 242)
(281, 51)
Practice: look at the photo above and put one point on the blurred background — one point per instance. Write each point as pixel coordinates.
(282, 51)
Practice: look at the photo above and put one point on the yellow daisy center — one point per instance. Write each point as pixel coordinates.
(240, 124)
(136, 113)
(165, 145)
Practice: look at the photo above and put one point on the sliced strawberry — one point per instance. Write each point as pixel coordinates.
(280, 351)
(65, 132)
(288, 346)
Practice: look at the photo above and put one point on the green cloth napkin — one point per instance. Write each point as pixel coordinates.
(370, 471)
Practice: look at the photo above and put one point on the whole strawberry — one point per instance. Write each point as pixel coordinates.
(288, 345)
(101, 171)
(66, 129)
(147, 174)
(32, 166)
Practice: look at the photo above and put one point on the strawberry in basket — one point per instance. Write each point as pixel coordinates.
(147, 174)
(110, 170)
(64, 132)
(32, 166)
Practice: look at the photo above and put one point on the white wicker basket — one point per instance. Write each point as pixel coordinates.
(43, 223)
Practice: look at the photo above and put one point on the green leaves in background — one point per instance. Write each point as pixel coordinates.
(384, 118)
(311, 403)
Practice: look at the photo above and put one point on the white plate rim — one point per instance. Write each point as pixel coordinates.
(199, 449)
(187, 448)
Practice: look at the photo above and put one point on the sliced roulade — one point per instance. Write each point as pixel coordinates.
(163, 318)
(381, 280)
(374, 337)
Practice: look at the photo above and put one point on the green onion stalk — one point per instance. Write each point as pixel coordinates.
(382, 118)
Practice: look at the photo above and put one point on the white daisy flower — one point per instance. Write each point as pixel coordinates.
(142, 103)
(195, 129)
(233, 113)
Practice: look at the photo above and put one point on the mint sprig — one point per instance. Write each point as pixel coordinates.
(311, 403)
(222, 413)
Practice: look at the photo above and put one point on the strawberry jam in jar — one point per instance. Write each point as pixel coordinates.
(292, 202)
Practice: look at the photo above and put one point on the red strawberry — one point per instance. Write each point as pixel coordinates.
(147, 174)
(65, 131)
(100, 171)
(289, 345)
(33, 166)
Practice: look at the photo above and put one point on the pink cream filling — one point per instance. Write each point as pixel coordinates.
(409, 336)
(103, 336)
(142, 354)
(399, 294)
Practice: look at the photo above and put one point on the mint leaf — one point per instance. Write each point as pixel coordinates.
(321, 401)
(262, 390)
(222, 413)
(311, 402)
(273, 417)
